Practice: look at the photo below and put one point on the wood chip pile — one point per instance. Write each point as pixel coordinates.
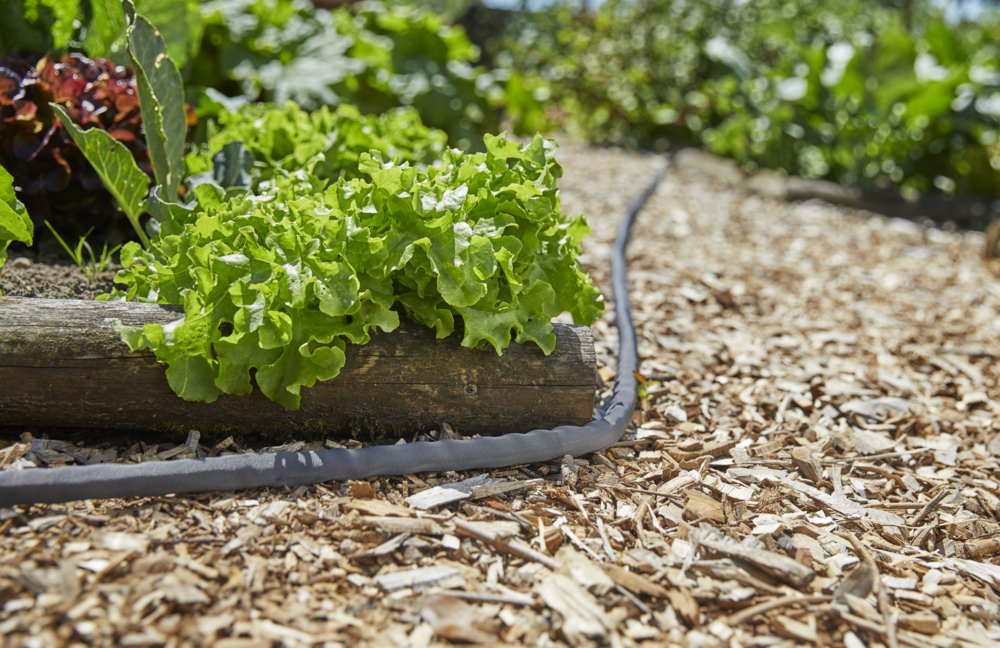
(815, 461)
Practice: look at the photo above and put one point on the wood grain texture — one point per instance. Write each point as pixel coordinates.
(63, 365)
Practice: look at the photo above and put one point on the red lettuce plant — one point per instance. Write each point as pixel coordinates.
(50, 172)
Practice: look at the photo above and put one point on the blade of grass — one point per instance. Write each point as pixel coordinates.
(75, 255)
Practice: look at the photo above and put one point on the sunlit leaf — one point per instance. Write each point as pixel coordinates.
(116, 167)
(15, 224)
(161, 95)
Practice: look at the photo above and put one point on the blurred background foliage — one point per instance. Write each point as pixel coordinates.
(887, 95)
(374, 55)
(878, 94)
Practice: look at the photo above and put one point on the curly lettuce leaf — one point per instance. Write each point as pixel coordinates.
(277, 280)
(286, 138)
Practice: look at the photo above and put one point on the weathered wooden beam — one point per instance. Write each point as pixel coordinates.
(62, 365)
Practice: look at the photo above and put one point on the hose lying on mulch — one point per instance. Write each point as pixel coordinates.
(340, 464)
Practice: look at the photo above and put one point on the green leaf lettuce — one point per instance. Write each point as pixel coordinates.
(276, 282)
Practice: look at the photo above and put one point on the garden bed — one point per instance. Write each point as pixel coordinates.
(801, 327)
(23, 277)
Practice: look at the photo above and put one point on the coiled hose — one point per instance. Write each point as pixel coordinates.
(296, 468)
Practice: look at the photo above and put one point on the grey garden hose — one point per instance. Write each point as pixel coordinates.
(296, 468)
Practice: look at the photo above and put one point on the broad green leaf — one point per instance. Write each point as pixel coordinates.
(179, 21)
(330, 142)
(313, 352)
(190, 370)
(64, 13)
(116, 167)
(161, 98)
(209, 196)
(15, 224)
(237, 355)
(501, 148)
(14, 219)
(430, 311)
(527, 316)
(336, 287)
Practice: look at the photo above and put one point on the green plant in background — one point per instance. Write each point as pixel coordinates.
(96, 27)
(91, 268)
(162, 107)
(283, 138)
(372, 55)
(858, 92)
(52, 176)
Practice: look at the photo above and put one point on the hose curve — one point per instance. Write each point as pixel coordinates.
(296, 468)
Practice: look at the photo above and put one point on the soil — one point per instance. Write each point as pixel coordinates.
(22, 277)
(815, 461)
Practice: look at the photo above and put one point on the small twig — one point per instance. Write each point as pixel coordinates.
(974, 353)
(726, 570)
(513, 598)
(80, 460)
(112, 565)
(656, 523)
(778, 565)
(747, 614)
(605, 542)
(930, 507)
(542, 546)
(695, 538)
(834, 462)
(885, 455)
(907, 637)
(519, 550)
(578, 543)
(170, 541)
(576, 499)
(631, 444)
(862, 623)
(892, 506)
(878, 470)
(636, 601)
(513, 517)
(883, 593)
(635, 490)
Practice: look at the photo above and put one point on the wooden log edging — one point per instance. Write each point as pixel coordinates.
(62, 365)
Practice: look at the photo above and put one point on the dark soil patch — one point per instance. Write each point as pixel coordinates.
(21, 277)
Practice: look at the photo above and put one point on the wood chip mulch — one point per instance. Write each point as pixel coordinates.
(814, 461)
